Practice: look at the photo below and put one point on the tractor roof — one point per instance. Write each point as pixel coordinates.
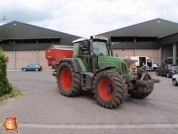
(80, 39)
(94, 37)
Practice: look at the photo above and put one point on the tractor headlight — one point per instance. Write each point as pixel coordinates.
(133, 68)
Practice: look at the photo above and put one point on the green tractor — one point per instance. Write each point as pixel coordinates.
(92, 66)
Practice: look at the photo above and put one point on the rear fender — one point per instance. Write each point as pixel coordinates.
(75, 63)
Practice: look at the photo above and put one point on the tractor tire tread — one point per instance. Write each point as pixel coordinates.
(120, 90)
(76, 86)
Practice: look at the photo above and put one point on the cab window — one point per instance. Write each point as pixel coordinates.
(100, 48)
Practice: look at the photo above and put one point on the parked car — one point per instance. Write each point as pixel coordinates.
(167, 70)
(175, 79)
(32, 67)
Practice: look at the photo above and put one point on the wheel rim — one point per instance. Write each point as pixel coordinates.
(65, 79)
(102, 89)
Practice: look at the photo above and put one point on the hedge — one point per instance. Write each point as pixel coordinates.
(5, 86)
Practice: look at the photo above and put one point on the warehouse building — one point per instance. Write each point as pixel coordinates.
(156, 39)
(25, 44)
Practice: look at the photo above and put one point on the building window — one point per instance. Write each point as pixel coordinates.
(7, 41)
(30, 41)
(18, 41)
(130, 39)
(134, 39)
(41, 40)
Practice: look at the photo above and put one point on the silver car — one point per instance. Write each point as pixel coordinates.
(175, 79)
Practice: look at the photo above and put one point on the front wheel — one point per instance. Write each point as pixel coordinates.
(167, 75)
(69, 82)
(174, 82)
(109, 88)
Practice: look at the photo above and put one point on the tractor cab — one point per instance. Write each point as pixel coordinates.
(90, 50)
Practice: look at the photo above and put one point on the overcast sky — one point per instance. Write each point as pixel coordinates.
(87, 17)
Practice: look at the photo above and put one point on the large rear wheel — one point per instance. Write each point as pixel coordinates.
(109, 88)
(68, 80)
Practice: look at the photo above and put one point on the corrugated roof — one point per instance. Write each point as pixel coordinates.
(153, 28)
(26, 31)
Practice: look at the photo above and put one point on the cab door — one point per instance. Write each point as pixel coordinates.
(84, 54)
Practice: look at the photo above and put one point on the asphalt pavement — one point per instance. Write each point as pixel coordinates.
(42, 109)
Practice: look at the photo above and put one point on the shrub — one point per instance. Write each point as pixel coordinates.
(5, 86)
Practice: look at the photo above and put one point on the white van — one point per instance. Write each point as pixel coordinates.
(143, 61)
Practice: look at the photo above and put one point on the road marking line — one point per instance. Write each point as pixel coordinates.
(99, 126)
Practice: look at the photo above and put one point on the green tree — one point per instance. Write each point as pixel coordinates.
(5, 86)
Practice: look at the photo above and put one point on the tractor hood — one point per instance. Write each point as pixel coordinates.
(120, 64)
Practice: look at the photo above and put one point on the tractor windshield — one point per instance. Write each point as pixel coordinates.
(100, 48)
